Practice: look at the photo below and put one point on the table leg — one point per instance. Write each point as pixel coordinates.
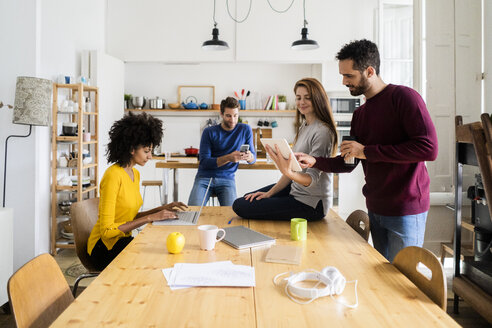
(175, 191)
(165, 185)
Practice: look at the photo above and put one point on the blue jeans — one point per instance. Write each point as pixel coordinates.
(281, 206)
(390, 234)
(225, 189)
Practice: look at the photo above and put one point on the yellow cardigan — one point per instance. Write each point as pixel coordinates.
(119, 203)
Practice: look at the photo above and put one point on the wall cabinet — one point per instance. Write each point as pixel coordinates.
(74, 167)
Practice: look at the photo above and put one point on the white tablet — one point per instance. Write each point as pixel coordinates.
(285, 150)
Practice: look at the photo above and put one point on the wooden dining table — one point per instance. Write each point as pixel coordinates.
(132, 291)
(176, 163)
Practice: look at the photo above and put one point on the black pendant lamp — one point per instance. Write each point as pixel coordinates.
(215, 44)
(304, 43)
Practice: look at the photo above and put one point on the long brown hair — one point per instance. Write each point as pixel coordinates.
(321, 107)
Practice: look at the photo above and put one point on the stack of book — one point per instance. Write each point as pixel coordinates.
(271, 103)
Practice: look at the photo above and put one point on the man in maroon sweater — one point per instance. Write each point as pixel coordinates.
(394, 137)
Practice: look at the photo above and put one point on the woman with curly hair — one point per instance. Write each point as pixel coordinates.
(131, 141)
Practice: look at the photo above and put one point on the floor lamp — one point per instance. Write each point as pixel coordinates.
(31, 107)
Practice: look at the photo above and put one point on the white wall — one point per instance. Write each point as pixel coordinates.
(43, 40)
(108, 73)
(158, 79)
(20, 57)
(153, 79)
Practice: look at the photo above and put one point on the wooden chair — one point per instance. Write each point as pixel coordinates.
(435, 288)
(84, 218)
(355, 219)
(38, 292)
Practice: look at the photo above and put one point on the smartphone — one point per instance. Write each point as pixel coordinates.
(244, 148)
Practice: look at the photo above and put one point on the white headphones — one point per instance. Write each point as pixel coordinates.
(330, 276)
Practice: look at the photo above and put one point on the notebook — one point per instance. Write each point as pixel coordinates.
(186, 217)
(285, 150)
(241, 237)
(284, 254)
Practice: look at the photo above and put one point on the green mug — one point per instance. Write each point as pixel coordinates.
(298, 229)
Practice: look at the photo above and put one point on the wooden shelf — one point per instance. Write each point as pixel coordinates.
(466, 224)
(466, 250)
(74, 188)
(67, 138)
(212, 112)
(78, 86)
(76, 113)
(473, 147)
(479, 300)
(87, 121)
(88, 166)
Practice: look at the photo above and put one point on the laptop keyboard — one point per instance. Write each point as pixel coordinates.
(188, 216)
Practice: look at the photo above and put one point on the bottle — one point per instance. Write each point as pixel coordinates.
(88, 104)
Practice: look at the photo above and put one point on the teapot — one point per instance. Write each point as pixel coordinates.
(190, 104)
(203, 106)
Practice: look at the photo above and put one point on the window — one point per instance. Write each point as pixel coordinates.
(396, 41)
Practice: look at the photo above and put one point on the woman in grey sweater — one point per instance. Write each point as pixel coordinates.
(305, 194)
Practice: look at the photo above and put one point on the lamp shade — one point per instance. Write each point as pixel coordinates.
(32, 101)
(304, 43)
(215, 43)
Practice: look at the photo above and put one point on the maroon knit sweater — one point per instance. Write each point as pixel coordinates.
(399, 136)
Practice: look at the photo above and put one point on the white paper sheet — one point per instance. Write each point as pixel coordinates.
(184, 275)
(168, 271)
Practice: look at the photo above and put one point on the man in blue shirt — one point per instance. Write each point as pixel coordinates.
(219, 156)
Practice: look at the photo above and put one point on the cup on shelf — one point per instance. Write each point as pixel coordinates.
(86, 137)
(242, 104)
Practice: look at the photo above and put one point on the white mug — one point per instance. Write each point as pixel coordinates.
(86, 136)
(208, 236)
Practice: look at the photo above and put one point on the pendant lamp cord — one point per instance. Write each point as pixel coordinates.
(304, 10)
(234, 19)
(5, 164)
(280, 11)
(215, 22)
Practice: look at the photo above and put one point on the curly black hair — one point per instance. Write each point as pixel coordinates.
(130, 133)
(364, 53)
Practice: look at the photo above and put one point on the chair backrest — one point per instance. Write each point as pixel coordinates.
(407, 261)
(355, 219)
(84, 215)
(38, 292)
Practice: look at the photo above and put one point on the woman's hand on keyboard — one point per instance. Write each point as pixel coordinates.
(174, 206)
(161, 215)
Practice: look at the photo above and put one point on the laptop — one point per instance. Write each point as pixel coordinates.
(241, 237)
(186, 217)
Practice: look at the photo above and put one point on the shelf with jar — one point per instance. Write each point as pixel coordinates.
(213, 112)
(74, 178)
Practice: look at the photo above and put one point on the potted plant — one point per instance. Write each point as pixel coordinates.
(282, 102)
(128, 100)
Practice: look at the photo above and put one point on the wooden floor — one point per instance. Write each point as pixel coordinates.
(70, 266)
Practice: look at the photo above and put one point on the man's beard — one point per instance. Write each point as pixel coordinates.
(229, 125)
(361, 88)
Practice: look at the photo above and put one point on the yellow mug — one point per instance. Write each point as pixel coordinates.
(298, 229)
